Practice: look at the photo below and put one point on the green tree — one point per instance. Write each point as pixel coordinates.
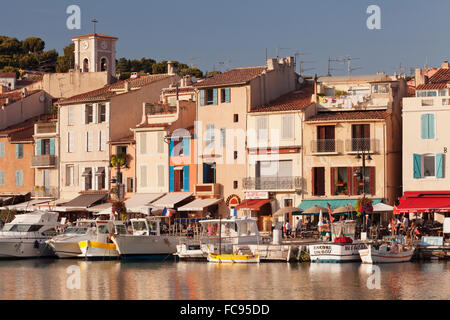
(28, 61)
(11, 69)
(212, 73)
(122, 65)
(67, 61)
(191, 72)
(159, 67)
(9, 46)
(33, 45)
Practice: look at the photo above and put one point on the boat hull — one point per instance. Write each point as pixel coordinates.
(335, 252)
(233, 258)
(129, 246)
(65, 250)
(24, 248)
(372, 256)
(98, 250)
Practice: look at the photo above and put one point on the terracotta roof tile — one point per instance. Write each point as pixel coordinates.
(152, 125)
(127, 139)
(235, 76)
(14, 96)
(349, 115)
(432, 86)
(438, 80)
(296, 100)
(7, 75)
(96, 34)
(111, 90)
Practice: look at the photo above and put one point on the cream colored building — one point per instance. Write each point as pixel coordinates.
(88, 121)
(223, 104)
(357, 117)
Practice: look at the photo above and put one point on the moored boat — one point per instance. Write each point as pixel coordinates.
(386, 254)
(26, 235)
(233, 258)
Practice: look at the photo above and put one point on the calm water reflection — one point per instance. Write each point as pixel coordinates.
(46, 279)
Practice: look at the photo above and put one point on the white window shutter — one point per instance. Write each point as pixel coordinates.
(64, 178)
(94, 181)
(107, 111)
(103, 140)
(106, 178)
(83, 184)
(95, 113)
(76, 176)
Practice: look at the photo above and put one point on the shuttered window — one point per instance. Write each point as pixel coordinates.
(225, 95)
(101, 141)
(143, 143)
(261, 128)
(427, 120)
(318, 181)
(70, 118)
(440, 165)
(2, 149)
(89, 141)
(143, 176)
(223, 138)
(19, 177)
(287, 126)
(70, 142)
(417, 166)
(160, 175)
(2, 178)
(210, 135)
(160, 142)
(19, 151)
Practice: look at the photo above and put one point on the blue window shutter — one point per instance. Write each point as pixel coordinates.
(424, 120)
(417, 166)
(430, 126)
(439, 165)
(171, 179)
(2, 177)
(21, 151)
(2, 149)
(17, 151)
(52, 146)
(38, 147)
(16, 177)
(186, 178)
(202, 97)
(227, 94)
(186, 146)
(171, 147)
(21, 177)
(215, 96)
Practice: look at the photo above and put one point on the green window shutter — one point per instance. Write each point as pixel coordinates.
(215, 96)
(186, 146)
(171, 179)
(21, 177)
(16, 177)
(417, 166)
(227, 95)
(38, 147)
(202, 97)
(186, 178)
(52, 147)
(430, 126)
(17, 151)
(424, 120)
(2, 149)
(439, 165)
(2, 177)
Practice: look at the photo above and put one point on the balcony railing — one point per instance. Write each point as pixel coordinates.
(44, 192)
(324, 145)
(272, 183)
(45, 160)
(43, 128)
(360, 144)
(207, 189)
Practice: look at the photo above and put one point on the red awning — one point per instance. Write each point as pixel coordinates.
(426, 201)
(251, 204)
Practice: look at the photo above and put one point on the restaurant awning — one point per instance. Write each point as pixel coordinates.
(27, 205)
(140, 201)
(199, 204)
(171, 199)
(252, 204)
(82, 202)
(334, 203)
(100, 207)
(424, 201)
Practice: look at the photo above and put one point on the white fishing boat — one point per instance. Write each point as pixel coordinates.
(233, 231)
(386, 254)
(101, 245)
(146, 242)
(342, 248)
(66, 245)
(26, 235)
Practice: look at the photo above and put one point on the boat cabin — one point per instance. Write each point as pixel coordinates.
(145, 226)
(237, 230)
(44, 223)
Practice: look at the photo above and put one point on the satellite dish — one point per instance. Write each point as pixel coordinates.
(301, 80)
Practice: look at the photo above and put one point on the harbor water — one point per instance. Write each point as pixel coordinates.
(92, 280)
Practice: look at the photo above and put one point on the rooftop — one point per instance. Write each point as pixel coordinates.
(7, 98)
(7, 75)
(114, 89)
(23, 131)
(349, 116)
(232, 77)
(295, 100)
(95, 34)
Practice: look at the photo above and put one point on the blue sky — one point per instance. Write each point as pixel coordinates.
(208, 31)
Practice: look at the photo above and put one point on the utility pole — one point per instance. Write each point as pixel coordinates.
(329, 65)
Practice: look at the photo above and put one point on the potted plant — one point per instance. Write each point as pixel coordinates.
(363, 205)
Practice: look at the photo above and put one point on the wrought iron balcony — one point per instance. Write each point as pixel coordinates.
(360, 144)
(325, 146)
(45, 161)
(272, 183)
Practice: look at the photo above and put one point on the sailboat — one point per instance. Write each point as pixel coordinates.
(235, 257)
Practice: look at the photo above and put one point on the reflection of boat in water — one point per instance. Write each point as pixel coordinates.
(101, 245)
(25, 236)
(146, 242)
(66, 245)
(386, 254)
(223, 233)
(343, 248)
(233, 258)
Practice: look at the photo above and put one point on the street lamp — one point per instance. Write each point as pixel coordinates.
(120, 162)
(364, 155)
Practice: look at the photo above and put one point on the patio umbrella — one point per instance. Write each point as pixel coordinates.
(344, 209)
(320, 218)
(382, 207)
(315, 210)
(286, 210)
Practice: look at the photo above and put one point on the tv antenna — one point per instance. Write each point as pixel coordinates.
(278, 51)
(296, 55)
(302, 70)
(348, 60)
(225, 63)
(329, 65)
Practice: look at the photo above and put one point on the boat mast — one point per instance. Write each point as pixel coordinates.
(220, 234)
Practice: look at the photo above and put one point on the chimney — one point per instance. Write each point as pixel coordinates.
(127, 86)
(170, 68)
(272, 63)
(445, 65)
(419, 77)
(24, 92)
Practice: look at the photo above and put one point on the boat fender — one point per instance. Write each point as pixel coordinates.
(36, 244)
